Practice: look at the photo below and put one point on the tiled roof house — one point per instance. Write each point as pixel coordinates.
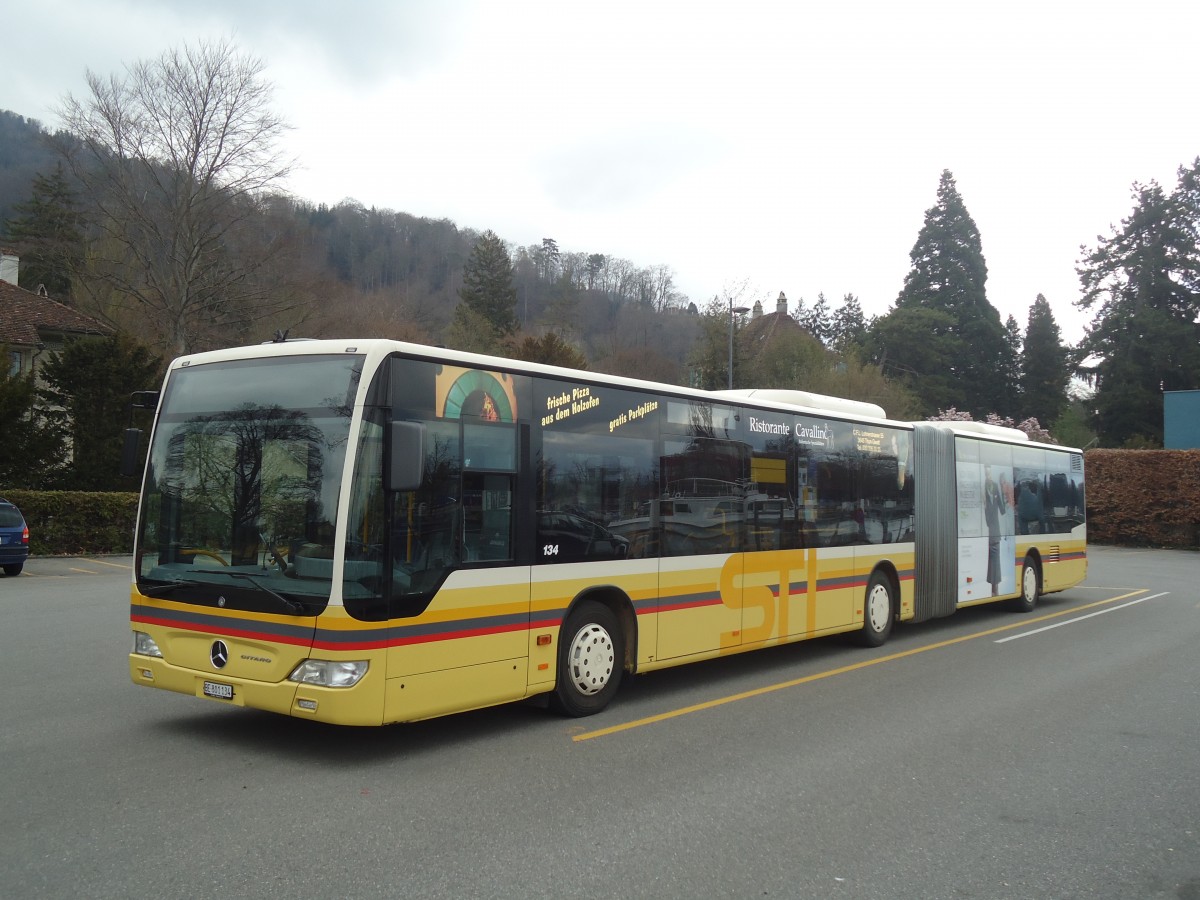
(758, 333)
(32, 324)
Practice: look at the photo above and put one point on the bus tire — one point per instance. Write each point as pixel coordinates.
(591, 653)
(1031, 587)
(879, 611)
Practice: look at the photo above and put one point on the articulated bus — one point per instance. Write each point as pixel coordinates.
(365, 532)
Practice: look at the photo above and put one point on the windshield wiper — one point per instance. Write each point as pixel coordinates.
(293, 606)
(161, 590)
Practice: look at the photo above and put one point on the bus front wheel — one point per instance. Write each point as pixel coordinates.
(879, 611)
(590, 656)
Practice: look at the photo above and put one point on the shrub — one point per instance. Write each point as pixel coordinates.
(1144, 497)
(71, 522)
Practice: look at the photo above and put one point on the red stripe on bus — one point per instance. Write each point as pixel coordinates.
(417, 639)
(688, 604)
(227, 632)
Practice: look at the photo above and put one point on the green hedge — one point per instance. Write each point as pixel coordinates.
(72, 522)
(1144, 497)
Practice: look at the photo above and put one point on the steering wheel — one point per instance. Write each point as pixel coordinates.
(211, 555)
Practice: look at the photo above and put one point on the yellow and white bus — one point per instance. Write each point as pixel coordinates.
(365, 532)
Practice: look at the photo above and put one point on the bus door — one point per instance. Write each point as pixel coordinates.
(885, 507)
(775, 599)
(702, 528)
(460, 599)
(831, 524)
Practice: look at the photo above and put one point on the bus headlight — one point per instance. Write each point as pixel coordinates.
(328, 673)
(144, 644)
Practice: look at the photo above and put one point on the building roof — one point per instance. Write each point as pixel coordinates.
(758, 332)
(25, 318)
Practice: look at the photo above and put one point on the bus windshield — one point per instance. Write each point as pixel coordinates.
(242, 483)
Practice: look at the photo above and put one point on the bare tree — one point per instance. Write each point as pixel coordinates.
(176, 158)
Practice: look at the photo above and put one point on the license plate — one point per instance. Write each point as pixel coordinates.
(218, 690)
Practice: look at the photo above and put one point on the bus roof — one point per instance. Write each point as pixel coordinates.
(980, 428)
(808, 400)
(784, 400)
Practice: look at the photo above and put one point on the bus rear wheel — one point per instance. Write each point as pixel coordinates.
(591, 652)
(879, 612)
(1031, 583)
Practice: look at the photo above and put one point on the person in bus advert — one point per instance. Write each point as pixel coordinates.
(994, 506)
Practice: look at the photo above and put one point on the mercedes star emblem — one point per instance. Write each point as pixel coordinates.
(219, 654)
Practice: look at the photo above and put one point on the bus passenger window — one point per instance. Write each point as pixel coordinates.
(487, 516)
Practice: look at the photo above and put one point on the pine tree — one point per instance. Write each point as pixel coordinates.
(917, 345)
(1045, 366)
(1010, 370)
(1144, 284)
(949, 275)
(89, 383)
(33, 446)
(48, 229)
(549, 260)
(818, 320)
(488, 296)
(948, 269)
(849, 329)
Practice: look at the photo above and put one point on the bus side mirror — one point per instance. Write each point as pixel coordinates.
(129, 452)
(404, 456)
(133, 436)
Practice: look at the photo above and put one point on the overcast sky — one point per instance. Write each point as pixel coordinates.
(787, 146)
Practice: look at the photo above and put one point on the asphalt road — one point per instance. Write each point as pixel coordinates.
(988, 755)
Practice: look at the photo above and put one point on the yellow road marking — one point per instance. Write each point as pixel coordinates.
(841, 670)
(84, 571)
(101, 562)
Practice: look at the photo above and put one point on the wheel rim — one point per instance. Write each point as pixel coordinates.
(1029, 583)
(591, 658)
(879, 607)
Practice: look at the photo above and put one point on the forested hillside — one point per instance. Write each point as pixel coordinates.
(354, 269)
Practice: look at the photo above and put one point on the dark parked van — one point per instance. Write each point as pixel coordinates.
(14, 539)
